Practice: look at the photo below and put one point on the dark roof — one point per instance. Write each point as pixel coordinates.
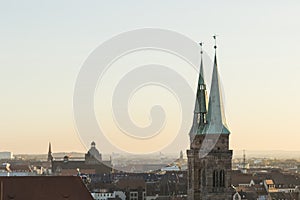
(17, 168)
(101, 167)
(283, 195)
(44, 187)
(248, 195)
(252, 192)
(285, 179)
(131, 183)
(240, 178)
(74, 172)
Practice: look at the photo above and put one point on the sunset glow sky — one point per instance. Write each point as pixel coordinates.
(43, 45)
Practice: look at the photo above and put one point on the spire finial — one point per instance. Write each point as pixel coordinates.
(201, 45)
(215, 38)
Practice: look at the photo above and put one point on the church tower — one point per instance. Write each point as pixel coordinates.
(209, 157)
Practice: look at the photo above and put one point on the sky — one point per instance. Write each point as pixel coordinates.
(45, 43)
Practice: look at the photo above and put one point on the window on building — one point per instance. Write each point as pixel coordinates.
(133, 196)
(222, 178)
(203, 177)
(200, 179)
(190, 175)
(215, 178)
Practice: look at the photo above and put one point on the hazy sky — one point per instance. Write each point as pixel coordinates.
(43, 45)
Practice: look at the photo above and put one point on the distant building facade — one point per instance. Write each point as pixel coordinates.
(6, 155)
(92, 164)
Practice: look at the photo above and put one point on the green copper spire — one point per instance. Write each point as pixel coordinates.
(195, 125)
(202, 96)
(200, 110)
(216, 122)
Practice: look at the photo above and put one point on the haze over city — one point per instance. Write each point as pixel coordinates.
(42, 51)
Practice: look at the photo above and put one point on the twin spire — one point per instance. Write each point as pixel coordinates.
(209, 119)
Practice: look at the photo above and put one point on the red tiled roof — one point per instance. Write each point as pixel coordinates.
(44, 187)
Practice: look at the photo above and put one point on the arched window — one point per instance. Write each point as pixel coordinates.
(215, 179)
(190, 175)
(200, 179)
(222, 178)
(203, 176)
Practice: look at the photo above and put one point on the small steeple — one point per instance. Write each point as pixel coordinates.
(50, 157)
(181, 155)
(202, 95)
(200, 110)
(216, 116)
(93, 144)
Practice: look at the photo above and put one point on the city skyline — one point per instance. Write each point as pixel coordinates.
(43, 49)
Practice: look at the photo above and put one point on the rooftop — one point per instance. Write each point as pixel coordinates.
(44, 187)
